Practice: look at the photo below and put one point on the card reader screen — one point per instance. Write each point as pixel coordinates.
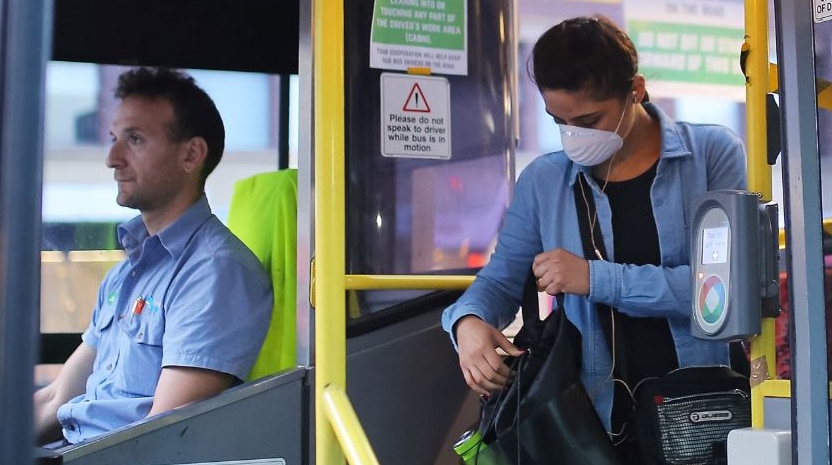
(715, 245)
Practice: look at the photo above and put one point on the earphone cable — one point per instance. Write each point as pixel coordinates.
(620, 435)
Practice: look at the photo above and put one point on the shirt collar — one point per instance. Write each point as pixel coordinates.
(132, 233)
(673, 144)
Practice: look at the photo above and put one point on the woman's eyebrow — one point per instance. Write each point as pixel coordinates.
(589, 115)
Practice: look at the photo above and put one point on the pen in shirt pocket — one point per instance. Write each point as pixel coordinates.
(138, 306)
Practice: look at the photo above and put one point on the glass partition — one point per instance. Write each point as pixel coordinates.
(413, 214)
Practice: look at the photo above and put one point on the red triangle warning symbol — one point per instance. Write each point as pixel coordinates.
(416, 101)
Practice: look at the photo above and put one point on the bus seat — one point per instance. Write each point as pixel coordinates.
(263, 214)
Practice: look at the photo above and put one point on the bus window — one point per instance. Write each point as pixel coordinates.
(80, 215)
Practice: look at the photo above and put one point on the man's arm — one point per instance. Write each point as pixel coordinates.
(178, 386)
(69, 383)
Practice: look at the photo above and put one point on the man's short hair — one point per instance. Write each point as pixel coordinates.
(195, 114)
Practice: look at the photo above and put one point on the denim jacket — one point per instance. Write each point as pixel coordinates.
(695, 158)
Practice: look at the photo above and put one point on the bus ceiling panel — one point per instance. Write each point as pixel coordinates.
(233, 35)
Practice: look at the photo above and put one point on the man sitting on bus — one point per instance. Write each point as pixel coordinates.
(184, 316)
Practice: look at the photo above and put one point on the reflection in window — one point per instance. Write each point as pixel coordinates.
(71, 104)
(242, 100)
(457, 213)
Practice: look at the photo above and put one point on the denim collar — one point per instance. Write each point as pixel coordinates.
(673, 145)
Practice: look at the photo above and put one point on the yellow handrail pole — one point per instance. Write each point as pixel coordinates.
(347, 427)
(759, 175)
(330, 250)
(756, 27)
(375, 282)
(365, 282)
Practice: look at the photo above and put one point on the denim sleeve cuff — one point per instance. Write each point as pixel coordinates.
(603, 282)
(453, 314)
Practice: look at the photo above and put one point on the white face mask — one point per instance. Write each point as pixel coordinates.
(590, 147)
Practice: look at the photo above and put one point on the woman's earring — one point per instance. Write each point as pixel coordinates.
(635, 97)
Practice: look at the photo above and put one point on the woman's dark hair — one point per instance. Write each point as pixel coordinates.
(589, 53)
(195, 114)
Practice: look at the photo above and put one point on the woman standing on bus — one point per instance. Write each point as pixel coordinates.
(641, 170)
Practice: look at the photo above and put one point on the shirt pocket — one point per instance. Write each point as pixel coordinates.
(103, 321)
(140, 361)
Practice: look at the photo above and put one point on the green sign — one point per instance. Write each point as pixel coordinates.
(694, 54)
(424, 23)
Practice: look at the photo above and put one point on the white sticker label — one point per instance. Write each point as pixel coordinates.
(714, 245)
(823, 10)
(415, 116)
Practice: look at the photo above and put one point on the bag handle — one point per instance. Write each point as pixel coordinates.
(581, 186)
(585, 208)
(530, 303)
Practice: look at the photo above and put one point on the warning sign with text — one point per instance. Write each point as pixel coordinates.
(420, 34)
(415, 116)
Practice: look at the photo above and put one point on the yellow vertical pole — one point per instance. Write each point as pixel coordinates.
(759, 175)
(330, 261)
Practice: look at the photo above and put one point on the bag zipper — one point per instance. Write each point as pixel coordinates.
(734, 392)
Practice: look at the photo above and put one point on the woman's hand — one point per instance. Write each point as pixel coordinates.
(560, 271)
(481, 365)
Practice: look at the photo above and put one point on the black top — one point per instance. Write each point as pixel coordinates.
(644, 346)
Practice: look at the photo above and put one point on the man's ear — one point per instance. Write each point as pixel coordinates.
(196, 149)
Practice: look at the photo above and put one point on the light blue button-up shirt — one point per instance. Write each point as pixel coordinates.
(542, 216)
(192, 295)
